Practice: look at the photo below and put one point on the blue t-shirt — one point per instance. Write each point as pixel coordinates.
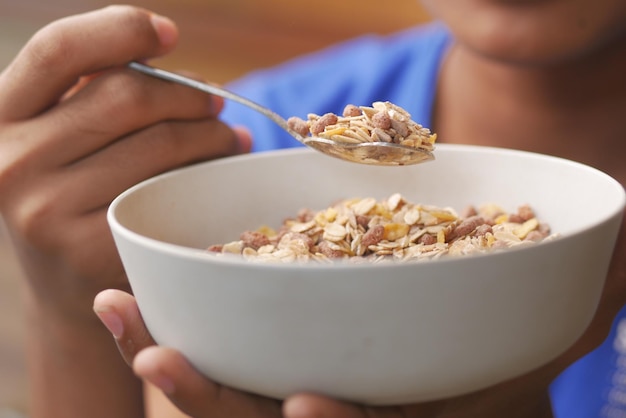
(403, 69)
(595, 386)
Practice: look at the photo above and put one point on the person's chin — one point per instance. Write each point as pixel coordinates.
(537, 54)
(525, 44)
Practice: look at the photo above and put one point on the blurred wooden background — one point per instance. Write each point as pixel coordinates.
(221, 40)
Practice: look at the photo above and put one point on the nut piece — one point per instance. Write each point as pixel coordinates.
(322, 123)
(466, 227)
(298, 125)
(373, 236)
(254, 239)
(351, 111)
(382, 120)
(329, 251)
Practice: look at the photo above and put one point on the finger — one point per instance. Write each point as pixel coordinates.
(119, 313)
(158, 405)
(316, 406)
(163, 147)
(54, 59)
(194, 394)
(244, 137)
(112, 106)
(78, 86)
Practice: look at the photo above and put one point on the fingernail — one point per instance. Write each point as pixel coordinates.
(244, 139)
(165, 28)
(165, 384)
(216, 104)
(111, 321)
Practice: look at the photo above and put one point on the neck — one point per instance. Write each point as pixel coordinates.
(576, 110)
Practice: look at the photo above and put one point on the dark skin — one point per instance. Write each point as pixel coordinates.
(545, 70)
(564, 98)
(75, 129)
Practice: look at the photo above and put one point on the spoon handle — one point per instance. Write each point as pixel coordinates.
(207, 88)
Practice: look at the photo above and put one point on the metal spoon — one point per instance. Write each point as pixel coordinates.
(373, 153)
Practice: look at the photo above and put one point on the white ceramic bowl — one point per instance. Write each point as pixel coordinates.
(378, 334)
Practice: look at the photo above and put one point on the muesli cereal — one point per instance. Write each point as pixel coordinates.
(382, 122)
(392, 228)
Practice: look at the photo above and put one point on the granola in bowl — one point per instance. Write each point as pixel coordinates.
(389, 229)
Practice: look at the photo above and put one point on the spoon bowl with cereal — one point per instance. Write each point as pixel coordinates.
(383, 134)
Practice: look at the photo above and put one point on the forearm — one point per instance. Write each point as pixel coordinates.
(75, 369)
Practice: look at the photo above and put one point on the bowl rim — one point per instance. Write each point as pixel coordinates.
(201, 254)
